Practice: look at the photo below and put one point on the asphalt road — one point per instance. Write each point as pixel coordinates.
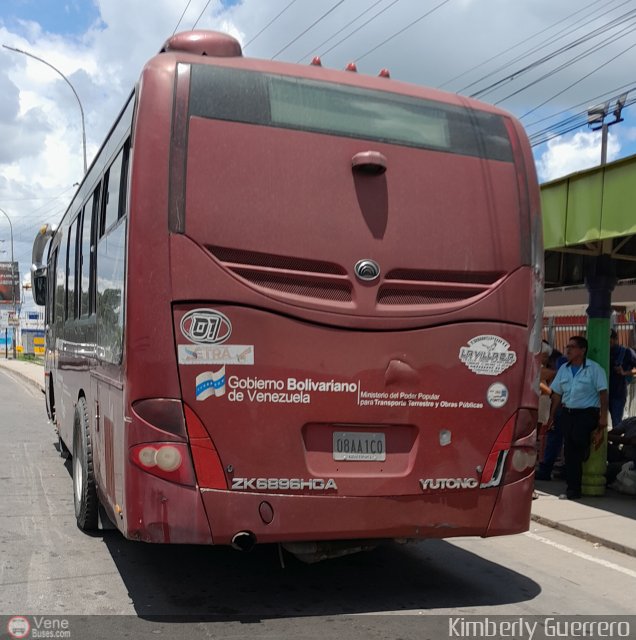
(49, 567)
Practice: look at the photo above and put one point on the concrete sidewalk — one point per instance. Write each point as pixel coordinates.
(609, 520)
(31, 373)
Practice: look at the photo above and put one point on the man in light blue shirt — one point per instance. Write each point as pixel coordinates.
(580, 388)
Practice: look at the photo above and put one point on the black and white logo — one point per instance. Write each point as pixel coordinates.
(367, 270)
(206, 326)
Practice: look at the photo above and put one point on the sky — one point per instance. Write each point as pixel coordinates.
(545, 61)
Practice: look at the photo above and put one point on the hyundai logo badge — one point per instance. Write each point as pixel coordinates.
(367, 270)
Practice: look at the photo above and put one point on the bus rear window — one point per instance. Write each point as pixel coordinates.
(323, 107)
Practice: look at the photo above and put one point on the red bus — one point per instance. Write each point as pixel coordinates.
(296, 305)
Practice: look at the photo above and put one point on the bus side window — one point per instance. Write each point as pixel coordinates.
(60, 283)
(110, 261)
(85, 257)
(51, 286)
(71, 270)
(94, 234)
(112, 188)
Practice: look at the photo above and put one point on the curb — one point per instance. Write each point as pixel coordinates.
(23, 378)
(584, 535)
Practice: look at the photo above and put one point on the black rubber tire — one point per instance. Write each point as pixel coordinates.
(84, 489)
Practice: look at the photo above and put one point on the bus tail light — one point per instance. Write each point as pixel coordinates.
(514, 442)
(165, 414)
(523, 459)
(170, 461)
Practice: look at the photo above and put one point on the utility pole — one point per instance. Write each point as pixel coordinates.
(600, 280)
(12, 278)
(596, 120)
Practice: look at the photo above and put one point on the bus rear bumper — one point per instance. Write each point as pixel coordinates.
(291, 518)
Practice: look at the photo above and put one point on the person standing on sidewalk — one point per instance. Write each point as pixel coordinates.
(622, 363)
(580, 390)
(551, 361)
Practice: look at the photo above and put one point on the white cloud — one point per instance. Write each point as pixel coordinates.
(581, 151)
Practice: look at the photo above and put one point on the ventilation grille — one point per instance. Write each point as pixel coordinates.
(299, 286)
(326, 282)
(450, 277)
(269, 261)
(394, 296)
(288, 275)
(425, 287)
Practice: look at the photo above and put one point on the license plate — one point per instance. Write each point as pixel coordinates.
(351, 445)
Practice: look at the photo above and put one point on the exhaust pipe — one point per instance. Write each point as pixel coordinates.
(243, 541)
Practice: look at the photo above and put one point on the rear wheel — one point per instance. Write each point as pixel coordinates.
(84, 490)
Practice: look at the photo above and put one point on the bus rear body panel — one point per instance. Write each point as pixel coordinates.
(339, 408)
(326, 327)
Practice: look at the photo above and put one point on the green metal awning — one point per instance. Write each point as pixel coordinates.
(583, 209)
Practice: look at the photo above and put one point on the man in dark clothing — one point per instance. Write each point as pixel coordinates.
(580, 389)
(622, 362)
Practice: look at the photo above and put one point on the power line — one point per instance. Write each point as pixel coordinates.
(331, 37)
(556, 37)
(565, 126)
(269, 24)
(567, 47)
(514, 46)
(595, 99)
(196, 22)
(364, 24)
(567, 64)
(397, 33)
(181, 18)
(311, 26)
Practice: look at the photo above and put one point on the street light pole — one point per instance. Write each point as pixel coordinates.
(12, 274)
(596, 120)
(68, 82)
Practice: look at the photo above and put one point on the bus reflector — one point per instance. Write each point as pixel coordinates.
(207, 463)
(169, 461)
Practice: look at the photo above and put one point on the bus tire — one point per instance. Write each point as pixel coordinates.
(84, 489)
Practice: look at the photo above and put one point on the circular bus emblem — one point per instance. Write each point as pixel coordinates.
(206, 326)
(367, 270)
(18, 627)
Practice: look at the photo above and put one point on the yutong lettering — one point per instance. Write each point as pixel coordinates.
(448, 483)
(283, 484)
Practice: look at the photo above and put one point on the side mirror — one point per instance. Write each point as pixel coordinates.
(39, 288)
(38, 267)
